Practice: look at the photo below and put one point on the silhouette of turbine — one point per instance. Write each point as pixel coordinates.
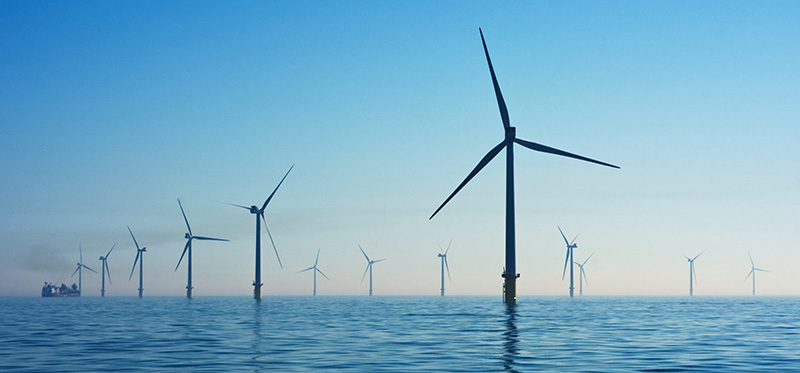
(753, 270)
(106, 271)
(259, 213)
(692, 273)
(510, 270)
(314, 267)
(139, 259)
(189, 237)
(79, 270)
(369, 268)
(444, 264)
(582, 275)
(571, 246)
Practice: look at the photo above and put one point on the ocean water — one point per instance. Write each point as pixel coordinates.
(400, 334)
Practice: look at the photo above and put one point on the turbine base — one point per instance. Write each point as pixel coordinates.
(510, 288)
(257, 291)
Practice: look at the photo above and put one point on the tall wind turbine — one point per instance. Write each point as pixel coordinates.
(189, 237)
(510, 271)
(692, 273)
(79, 268)
(314, 267)
(369, 268)
(753, 270)
(444, 264)
(582, 275)
(106, 271)
(259, 213)
(139, 259)
(571, 246)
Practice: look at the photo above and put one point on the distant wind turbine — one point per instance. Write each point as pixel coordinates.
(259, 213)
(314, 267)
(79, 268)
(571, 246)
(106, 271)
(369, 268)
(444, 264)
(582, 276)
(139, 259)
(752, 272)
(189, 237)
(692, 273)
(510, 270)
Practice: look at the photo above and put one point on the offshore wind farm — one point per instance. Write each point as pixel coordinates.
(668, 126)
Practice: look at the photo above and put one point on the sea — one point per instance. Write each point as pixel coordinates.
(400, 334)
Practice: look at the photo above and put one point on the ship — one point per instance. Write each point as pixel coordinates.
(51, 290)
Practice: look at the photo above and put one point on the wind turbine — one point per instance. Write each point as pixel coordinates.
(104, 268)
(692, 273)
(571, 246)
(189, 237)
(259, 213)
(582, 275)
(139, 259)
(510, 270)
(444, 264)
(79, 270)
(369, 268)
(753, 270)
(314, 267)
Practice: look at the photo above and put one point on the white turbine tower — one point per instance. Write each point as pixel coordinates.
(692, 273)
(571, 246)
(369, 268)
(189, 237)
(444, 264)
(752, 272)
(314, 267)
(582, 273)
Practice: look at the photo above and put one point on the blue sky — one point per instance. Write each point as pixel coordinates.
(111, 111)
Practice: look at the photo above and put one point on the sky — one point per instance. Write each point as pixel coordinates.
(111, 111)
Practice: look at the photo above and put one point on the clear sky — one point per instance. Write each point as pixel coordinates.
(109, 111)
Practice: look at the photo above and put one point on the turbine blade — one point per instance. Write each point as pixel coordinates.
(134, 264)
(263, 218)
(376, 261)
(587, 259)
(323, 275)
(573, 240)
(317, 260)
(762, 270)
(276, 189)
(362, 251)
(687, 258)
(565, 265)
(184, 217)
(547, 149)
(694, 272)
(751, 259)
(448, 247)
(365, 272)
(108, 271)
(134, 241)
(307, 269)
(87, 267)
(209, 238)
(583, 273)
(76, 271)
(80, 248)
(698, 255)
(448, 269)
(562, 235)
(486, 159)
(748, 274)
(109, 251)
(186, 247)
(235, 205)
(500, 102)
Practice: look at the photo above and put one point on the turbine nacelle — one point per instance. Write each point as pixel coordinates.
(254, 210)
(511, 133)
(187, 236)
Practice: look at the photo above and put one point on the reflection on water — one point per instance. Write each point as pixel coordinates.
(510, 339)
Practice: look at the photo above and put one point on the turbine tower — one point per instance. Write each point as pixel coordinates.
(369, 268)
(79, 268)
(139, 259)
(571, 246)
(259, 213)
(753, 270)
(444, 264)
(510, 270)
(105, 270)
(692, 273)
(314, 267)
(582, 275)
(189, 237)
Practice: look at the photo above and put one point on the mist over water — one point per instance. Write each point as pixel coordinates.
(395, 334)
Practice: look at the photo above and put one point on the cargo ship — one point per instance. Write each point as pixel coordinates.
(51, 290)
